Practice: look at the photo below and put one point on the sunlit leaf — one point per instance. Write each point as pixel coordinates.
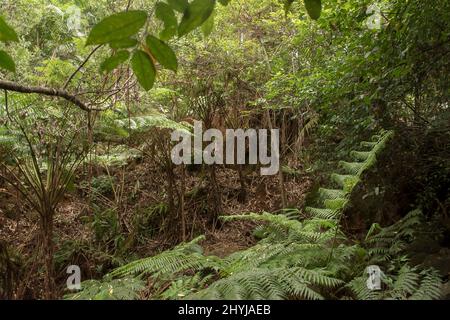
(208, 25)
(143, 69)
(114, 61)
(123, 43)
(162, 53)
(196, 13)
(6, 32)
(6, 62)
(117, 27)
(178, 5)
(166, 14)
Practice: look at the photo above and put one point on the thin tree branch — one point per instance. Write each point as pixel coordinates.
(81, 66)
(12, 86)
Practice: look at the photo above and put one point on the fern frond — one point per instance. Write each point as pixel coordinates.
(331, 193)
(342, 179)
(352, 168)
(277, 283)
(360, 155)
(430, 286)
(116, 289)
(335, 204)
(322, 213)
(368, 144)
(359, 288)
(117, 156)
(146, 122)
(183, 257)
(406, 283)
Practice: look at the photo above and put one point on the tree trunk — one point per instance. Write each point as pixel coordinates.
(48, 249)
(280, 172)
(182, 210)
(170, 190)
(242, 197)
(215, 196)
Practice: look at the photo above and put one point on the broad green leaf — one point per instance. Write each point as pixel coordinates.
(6, 62)
(114, 61)
(168, 33)
(162, 52)
(6, 32)
(123, 43)
(117, 27)
(178, 5)
(165, 13)
(314, 8)
(208, 25)
(143, 69)
(196, 13)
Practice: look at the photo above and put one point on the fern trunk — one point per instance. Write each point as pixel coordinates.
(48, 248)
